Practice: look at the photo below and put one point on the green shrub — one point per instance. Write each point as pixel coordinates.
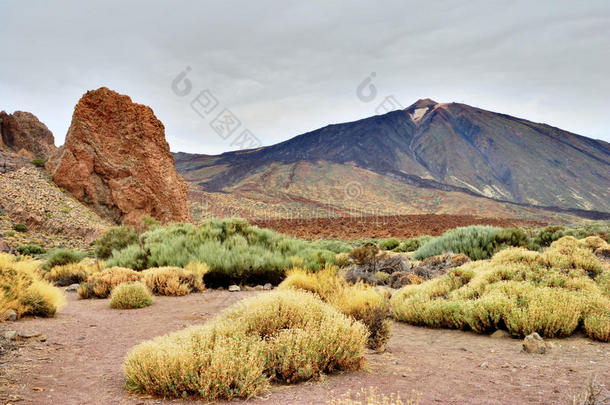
(411, 245)
(19, 227)
(284, 336)
(235, 251)
(388, 244)
(31, 249)
(130, 296)
(116, 238)
(61, 256)
(133, 257)
(476, 241)
(38, 162)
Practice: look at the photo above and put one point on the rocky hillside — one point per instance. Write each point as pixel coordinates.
(441, 148)
(51, 215)
(22, 138)
(116, 160)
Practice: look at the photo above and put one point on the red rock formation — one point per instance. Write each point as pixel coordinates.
(117, 161)
(23, 133)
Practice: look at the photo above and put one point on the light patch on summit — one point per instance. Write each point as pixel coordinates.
(419, 113)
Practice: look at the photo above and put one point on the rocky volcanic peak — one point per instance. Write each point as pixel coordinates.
(444, 146)
(23, 132)
(117, 161)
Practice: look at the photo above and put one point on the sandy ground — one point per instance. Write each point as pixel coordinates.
(80, 362)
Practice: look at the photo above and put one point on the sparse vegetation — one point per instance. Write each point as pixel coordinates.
(359, 301)
(130, 296)
(31, 249)
(22, 290)
(284, 336)
(19, 227)
(38, 162)
(523, 291)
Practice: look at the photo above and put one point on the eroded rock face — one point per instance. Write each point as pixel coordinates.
(117, 161)
(24, 133)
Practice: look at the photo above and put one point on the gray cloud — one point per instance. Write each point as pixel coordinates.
(286, 67)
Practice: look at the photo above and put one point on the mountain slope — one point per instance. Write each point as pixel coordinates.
(447, 147)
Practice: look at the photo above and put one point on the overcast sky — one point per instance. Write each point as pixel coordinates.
(287, 67)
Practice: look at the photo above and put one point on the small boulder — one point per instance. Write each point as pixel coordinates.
(234, 288)
(500, 334)
(9, 315)
(28, 334)
(268, 287)
(259, 288)
(533, 343)
(72, 288)
(10, 334)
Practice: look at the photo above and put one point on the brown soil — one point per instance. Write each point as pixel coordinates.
(399, 226)
(80, 363)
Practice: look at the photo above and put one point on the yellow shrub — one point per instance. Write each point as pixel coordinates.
(130, 296)
(172, 281)
(200, 269)
(286, 336)
(568, 253)
(22, 290)
(592, 242)
(100, 284)
(359, 301)
(603, 281)
(550, 293)
(72, 273)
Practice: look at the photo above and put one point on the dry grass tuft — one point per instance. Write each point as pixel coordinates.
(72, 273)
(22, 290)
(172, 281)
(130, 296)
(286, 336)
(99, 285)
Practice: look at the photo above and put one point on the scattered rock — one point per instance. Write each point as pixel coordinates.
(484, 365)
(234, 288)
(268, 287)
(117, 161)
(28, 334)
(72, 288)
(500, 334)
(10, 334)
(9, 315)
(533, 343)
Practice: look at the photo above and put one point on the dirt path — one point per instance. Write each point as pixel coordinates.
(86, 343)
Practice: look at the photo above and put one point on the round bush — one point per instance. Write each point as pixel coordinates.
(130, 296)
(285, 336)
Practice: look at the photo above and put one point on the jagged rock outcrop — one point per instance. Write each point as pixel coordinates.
(117, 161)
(24, 133)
